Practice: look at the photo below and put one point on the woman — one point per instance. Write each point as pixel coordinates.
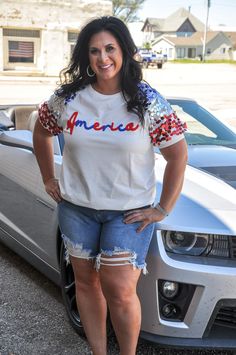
(111, 120)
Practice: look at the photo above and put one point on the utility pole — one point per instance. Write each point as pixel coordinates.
(205, 31)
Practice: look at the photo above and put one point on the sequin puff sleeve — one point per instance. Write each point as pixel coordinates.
(49, 114)
(165, 128)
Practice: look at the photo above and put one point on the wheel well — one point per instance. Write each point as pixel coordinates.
(59, 242)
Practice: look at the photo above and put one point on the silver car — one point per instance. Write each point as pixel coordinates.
(189, 295)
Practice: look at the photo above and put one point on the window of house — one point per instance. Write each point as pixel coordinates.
(72, 47)
(222, 50)
(178, 52)
(181, 52)
(184, 34)
(72, 38)
(191, 52)
(20, 52)
(208, 51)
(21, 47)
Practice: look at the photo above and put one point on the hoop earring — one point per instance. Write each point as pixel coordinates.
(88, 73)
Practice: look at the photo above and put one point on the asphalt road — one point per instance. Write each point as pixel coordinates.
(33, 320)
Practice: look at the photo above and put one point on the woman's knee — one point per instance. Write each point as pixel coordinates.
(86, 277)
(118, 294)
(119, 282)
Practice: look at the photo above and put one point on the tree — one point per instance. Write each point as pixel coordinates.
(127, 10)
(147, 45)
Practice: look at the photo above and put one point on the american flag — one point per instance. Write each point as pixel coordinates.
(20, 49)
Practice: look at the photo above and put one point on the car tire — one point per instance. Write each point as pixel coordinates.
(68, 296)
(159, 65)
(68, 293)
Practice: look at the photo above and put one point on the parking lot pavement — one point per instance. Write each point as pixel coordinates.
(212, 85)
(33, 319)
(21, 90)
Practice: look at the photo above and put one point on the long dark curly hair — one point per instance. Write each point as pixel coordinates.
(75, 77)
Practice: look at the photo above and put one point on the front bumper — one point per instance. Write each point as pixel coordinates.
(216, 341)
(215, 283)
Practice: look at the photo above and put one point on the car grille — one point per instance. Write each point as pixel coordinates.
(222, 324)
(226, 316)
(233, 247)
(223, 246)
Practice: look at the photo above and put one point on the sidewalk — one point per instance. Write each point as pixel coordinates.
(26, 89)
(14, 78)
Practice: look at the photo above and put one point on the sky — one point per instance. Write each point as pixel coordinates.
(220, 12)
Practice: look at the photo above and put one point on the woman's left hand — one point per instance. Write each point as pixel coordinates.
(145, 216)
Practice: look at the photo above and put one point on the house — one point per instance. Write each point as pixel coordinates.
(181, 35)
(180, 23)
(232, 36)
(218, 46)
(38, 36)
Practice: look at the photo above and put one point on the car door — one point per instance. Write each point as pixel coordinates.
(27, 213)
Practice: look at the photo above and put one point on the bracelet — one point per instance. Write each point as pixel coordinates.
(161, 209)
(53, 178)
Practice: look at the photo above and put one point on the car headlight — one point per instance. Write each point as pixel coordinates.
(196, 243)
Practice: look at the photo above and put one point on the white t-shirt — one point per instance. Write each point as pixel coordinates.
(108, 157)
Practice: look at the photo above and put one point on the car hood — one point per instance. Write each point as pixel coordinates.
(207, 204)
(217, 160)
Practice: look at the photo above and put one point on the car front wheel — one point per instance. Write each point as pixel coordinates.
(68, 292)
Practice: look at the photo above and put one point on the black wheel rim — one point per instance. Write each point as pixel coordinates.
(68, 292)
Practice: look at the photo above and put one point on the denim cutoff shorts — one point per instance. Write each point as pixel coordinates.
(99, 234)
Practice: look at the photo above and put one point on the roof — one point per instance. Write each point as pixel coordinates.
(173, 22)
(156, 23)
(232, 37)
(195, 40)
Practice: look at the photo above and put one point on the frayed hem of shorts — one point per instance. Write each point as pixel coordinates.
(70, 250)
(129, 260)
(143, 268)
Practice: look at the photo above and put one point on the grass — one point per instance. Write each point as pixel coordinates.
(217, 61)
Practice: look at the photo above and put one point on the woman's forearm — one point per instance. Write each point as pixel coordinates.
(43, 148)
(172, 184)
(173, 176)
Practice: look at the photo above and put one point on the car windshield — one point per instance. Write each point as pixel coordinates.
(203, 127)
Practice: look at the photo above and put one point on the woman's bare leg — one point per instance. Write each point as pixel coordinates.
(91, 304)
(119, 288)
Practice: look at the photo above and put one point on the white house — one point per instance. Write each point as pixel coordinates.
(218, 46)
(232, 36)
(181, 23)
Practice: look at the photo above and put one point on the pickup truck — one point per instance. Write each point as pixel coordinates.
(149, 58)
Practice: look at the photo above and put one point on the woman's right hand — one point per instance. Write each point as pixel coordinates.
(53, 189)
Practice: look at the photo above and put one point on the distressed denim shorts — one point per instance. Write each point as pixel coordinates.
(100, 234)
